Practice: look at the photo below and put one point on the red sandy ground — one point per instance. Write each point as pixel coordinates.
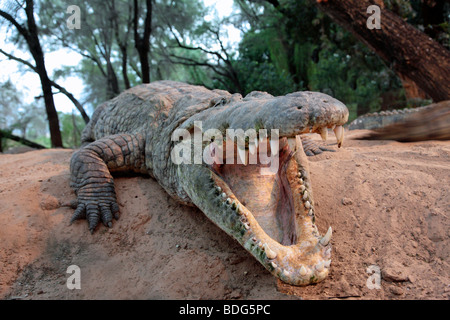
(388, 204)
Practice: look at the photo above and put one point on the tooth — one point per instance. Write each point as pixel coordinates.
(307, 205)
(242, 155)
(246, 226)
(319, 267)
(219, 189)
(292, 144)
(305, 195)
(233, 204)
(303, 271)
(274, 265)
(327, 237)
(274, 147)
(286, 273)
(302, 188)
(228, 200)
(327, 253)
(339, 132)
(269, 252)
(256, 142)
(224, 195)
(327, 264)
(324, 133)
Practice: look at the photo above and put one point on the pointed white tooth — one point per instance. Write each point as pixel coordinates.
(339, 132)
(303, 271)
(327, 237)
(286, 273)
(327, 253)
(324, 133)
(274, 147)
(269, 252)
(292, 144)
(305, 195)
(307, 205)
(256, 142)
(320, 266)
(242, 155)
(327, 264)
(274, 265)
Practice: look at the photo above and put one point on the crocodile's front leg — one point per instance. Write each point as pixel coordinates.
(92, 181)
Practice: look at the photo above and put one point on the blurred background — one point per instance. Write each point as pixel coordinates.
(53, 75)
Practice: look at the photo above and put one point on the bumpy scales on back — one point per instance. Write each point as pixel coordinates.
(270, 215)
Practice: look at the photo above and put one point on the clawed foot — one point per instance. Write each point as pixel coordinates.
(95, 210)
(313, 147)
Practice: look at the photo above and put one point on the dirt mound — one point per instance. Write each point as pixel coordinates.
(388, 204)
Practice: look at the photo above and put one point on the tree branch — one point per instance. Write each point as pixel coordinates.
(54, 84)
(23, 31)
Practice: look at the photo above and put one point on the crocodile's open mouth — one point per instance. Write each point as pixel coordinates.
(271, 215)
(269, 211)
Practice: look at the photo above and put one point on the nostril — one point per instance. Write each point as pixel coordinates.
(299, 107)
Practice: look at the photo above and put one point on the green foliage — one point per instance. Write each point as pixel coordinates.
(295, 47)
(71, 127)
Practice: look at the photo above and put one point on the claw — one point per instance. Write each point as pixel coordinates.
(115, 210)
(92, 216)
(80, 213)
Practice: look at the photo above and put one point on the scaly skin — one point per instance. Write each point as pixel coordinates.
(377, 120)
(430, 122)
(271, 216)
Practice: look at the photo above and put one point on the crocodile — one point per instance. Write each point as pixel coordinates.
(431, 122)
(268, 209)
(377, 120)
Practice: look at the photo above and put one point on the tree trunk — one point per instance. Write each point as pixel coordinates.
(142, 43)
(411, 53)
(36, 51)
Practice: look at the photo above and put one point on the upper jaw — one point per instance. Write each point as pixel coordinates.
(293, 114)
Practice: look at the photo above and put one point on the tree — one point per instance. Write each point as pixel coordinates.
(53, 83)
(408, 51)
(142, 41)
(29, 31)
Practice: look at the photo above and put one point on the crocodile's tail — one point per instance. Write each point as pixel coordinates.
(433, 123)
